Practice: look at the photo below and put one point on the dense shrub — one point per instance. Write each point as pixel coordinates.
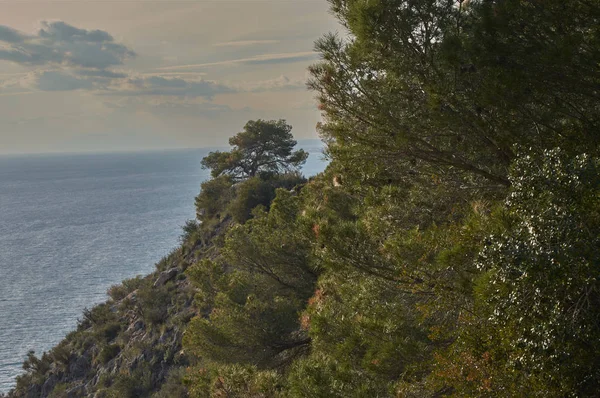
(214, 196)
(120, 291)
(153, 302)
(108, 352)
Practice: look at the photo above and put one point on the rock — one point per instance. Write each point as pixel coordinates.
(33, 391)
(76, 392)
(131, 296)
(79, 367)
(48, 385)
(166, 276)
(138, 325)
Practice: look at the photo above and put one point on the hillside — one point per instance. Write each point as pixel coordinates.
(451, 248)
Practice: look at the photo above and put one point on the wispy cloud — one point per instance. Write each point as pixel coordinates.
(258, 59)
(15, 93)
(174, 73)
(282, 83)
(109, 83)
(245, 43)
(158, 86)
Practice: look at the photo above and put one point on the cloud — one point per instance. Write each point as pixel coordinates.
(103, 73)
(158, 85)
(174, 74)
(61, 31)
(58, 43)
(282, 83)
(207, 89)
(10, 35)
(170, 107)
(256, 60)
(245, 43)
(70, 58)
(207, 109)
(109, 83)
(59, 81)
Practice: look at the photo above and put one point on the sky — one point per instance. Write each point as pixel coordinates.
(110, 75)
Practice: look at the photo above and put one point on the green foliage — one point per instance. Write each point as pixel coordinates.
(234, 381)
(191, 231)
(60, 391)
(174, 386)
(108, 331)
(539, 293)
(134, 385)
(257, 191)
(98, 315)
(108, 352)
(249, 194)
(119, 292)
(221, 197)
(214, 197)
(253, 293)
(33, 364)
(263, 147)
(447, 88)
(324, 377)
(153, 302)
(61, 355)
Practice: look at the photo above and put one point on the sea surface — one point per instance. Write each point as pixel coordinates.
(71, 226)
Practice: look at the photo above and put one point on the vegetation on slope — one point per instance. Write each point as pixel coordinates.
(452, 244)
(451, 248)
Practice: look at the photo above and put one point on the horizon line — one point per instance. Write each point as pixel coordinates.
(126, 151)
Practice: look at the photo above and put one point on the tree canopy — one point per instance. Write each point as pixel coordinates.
(448, 87)
(456, 252)
(265, 146)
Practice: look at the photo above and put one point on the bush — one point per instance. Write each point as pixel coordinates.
(108, 331)
(250, 194)
(134, 385)
(174, 385)
(98, 315)
(214, 196)
(153, 303)
(259, 191)
(108, 352)
(59, 391)
(61, 354)
(234, 381)
(119, 292)
(191, 232)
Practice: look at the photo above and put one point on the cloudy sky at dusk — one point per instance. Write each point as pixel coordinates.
(130, 75)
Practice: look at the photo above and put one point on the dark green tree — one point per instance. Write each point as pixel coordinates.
(447, 88)
(263, 147)
(252, 293)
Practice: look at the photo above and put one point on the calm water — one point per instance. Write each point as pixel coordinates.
(73, 225)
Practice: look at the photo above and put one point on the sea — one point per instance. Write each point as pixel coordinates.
(72, 225)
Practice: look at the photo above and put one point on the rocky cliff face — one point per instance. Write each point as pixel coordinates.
(129, 346)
